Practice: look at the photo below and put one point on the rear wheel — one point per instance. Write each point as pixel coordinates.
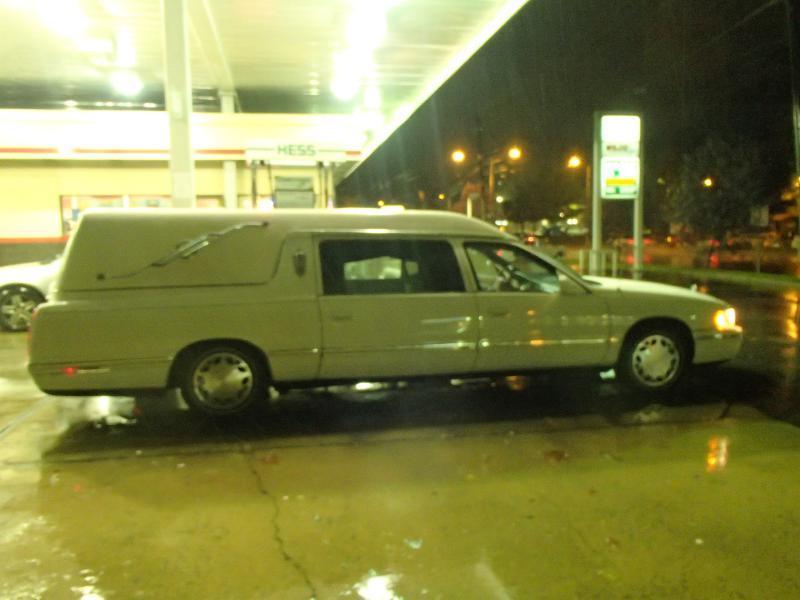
(653, 359)
(16, 307)
(222, 379)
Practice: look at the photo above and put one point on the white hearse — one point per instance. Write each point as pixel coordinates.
(224, 304)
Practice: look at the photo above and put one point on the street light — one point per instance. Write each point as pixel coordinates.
(514, 153)
(481, 162)
(574, 162)
(708, 182)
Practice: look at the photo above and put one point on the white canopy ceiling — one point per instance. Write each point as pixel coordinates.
(376, 59)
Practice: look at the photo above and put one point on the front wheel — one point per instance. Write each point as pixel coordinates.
(222, 379)
(653, 360)
(16, 307)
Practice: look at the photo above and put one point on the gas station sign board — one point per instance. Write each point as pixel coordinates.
(620, 165)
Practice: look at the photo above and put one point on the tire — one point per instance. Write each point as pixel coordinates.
(653, 359)
(16, 307)
(222, 379)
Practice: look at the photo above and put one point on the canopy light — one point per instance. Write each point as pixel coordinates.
(126, 83)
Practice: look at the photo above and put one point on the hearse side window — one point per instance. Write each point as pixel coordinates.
(389, 266)
(501, 268)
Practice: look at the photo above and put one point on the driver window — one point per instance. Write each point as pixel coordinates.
(501, 268)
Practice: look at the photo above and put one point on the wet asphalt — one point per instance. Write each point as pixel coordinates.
(561, 486)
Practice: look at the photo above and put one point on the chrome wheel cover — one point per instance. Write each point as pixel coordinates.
(17, 309)
(222, 381)
(656, 360)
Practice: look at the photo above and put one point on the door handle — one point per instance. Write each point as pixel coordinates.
(498, 312)
(341, 317)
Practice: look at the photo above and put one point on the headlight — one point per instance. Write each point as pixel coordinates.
(725, 319)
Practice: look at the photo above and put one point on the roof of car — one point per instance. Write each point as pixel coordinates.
(340, 219)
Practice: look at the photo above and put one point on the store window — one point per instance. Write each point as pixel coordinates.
(73, 206)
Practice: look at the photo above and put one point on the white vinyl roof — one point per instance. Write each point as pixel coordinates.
(376, 59)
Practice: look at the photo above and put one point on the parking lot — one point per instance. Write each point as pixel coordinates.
(567, 488)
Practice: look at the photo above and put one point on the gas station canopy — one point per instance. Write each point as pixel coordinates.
(375, 61)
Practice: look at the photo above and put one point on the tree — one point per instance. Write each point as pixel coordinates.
(718, 184)
(538, 195)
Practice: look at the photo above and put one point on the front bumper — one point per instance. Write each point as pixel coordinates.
(715, 346)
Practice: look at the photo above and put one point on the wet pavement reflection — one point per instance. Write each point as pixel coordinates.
(561, 486)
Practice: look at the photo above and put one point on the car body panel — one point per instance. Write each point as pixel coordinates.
(38, 275)
(394, 335)
(536, 330)
(626, 299)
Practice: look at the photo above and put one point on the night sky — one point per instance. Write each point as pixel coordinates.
(693, 68)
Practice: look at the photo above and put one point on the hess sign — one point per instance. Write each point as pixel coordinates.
(620, 166)
(297, 150)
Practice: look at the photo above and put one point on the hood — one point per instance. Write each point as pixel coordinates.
(631, 286)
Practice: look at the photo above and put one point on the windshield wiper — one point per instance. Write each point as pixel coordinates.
(187, 249)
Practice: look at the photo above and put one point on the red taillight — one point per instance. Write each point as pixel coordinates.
(69, 371)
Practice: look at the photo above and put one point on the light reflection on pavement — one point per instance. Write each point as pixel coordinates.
(558, 487)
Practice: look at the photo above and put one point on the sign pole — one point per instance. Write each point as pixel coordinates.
(638, 215)
(618, 177)
(638, 235)
(597, 208)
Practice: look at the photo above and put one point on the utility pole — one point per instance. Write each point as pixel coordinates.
(792, 16)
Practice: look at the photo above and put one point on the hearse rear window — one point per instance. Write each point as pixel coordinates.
(388, 266)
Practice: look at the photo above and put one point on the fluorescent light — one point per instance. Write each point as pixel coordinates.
(16, 4)
(364, 33)
(126, 83)
(345, 85)
(65, 17)
(372, 98)
(126, 50)
(501, 16)
(96, 45)
(114, 8)
(366, 26)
